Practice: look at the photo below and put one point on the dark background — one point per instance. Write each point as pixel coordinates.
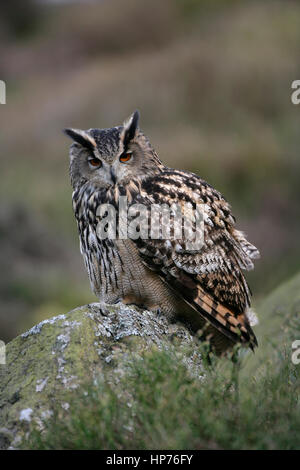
(212, 81)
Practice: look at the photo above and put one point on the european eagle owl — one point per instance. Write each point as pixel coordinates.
(202, 286)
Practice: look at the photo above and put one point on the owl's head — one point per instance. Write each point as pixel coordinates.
(111, 156)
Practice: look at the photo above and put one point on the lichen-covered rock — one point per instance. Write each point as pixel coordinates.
(57, 355)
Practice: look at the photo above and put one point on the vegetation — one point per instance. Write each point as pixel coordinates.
(158, 404)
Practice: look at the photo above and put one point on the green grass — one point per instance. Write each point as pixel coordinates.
(250, 404)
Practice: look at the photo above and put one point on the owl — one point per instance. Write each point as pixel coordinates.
(203, 287)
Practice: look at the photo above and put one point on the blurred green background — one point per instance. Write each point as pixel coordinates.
(212, 80)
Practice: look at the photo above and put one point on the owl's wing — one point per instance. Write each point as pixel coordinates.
(208, 278)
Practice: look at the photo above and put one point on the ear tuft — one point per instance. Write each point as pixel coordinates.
(130, 126)
(81, 137)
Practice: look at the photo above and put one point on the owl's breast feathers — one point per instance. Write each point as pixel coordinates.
(210, 280)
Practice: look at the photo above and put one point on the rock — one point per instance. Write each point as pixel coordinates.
(57, 355)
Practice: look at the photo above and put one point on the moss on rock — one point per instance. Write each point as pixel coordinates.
(54, 357)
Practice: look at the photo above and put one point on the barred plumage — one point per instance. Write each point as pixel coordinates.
(204, 287)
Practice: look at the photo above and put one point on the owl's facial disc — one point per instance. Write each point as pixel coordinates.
(100, 171)
(111, 156)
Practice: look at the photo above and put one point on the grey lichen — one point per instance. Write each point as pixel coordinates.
(57, 355)
(37, 328)
(40, 384)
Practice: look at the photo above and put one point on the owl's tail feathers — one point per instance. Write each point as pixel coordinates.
(235, 326)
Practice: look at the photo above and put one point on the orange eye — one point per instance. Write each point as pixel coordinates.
(95, 162)
(125, 157)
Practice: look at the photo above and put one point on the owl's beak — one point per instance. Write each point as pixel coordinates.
(113, 175)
